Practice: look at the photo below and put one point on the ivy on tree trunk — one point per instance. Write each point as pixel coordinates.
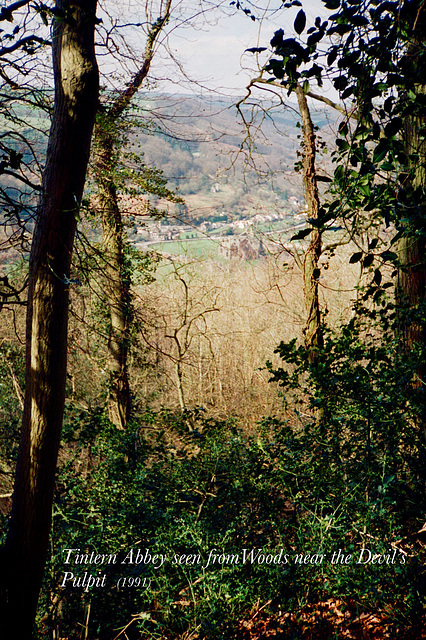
(117, 280)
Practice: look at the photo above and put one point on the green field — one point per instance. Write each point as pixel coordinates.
(196, 248)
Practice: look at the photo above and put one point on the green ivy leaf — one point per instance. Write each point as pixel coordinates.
(389, 256)
(377, 277)
(379, 153)
(332, 56)
(300, 22)
(368, 261)
(300, 235)
(332, 4)
(256, 49)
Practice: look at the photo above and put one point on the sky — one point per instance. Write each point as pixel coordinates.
(210, 50)
(216, 54)
(202, 49)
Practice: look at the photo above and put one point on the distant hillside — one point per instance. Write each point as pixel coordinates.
(220, 167)
(224, 169)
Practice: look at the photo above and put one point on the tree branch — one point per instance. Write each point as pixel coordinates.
(22, 43)
(6, 12)
(23, 179)
(310, 94)
(332, 104)
(123, 100)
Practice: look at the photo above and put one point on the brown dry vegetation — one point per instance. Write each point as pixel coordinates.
(219, 321)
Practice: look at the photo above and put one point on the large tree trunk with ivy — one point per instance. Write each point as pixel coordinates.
(411, 281)
(76, 97)
(312, 330)
(117, 278)
(117, 290)
(411, 285)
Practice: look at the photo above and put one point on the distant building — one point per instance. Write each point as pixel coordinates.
(241, 248)
(295, 202)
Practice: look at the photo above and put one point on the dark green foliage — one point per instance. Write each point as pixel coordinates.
(377, 64)
(365, 387)
(208, 488)
(185, 484)
(359, 469)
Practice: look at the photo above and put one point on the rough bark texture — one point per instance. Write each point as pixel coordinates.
(117, 289)
(117, 282)
(411, 285)
(312, 331)
(76, 96)
(411, 282)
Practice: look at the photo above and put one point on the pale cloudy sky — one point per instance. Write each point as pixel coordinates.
(212, 52)
(216, 54)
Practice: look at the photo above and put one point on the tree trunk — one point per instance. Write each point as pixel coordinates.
(312, 330)
(76, 96)
(117, 289)
(411, 280)
(117, 281)
(411, 284)
(179, 383)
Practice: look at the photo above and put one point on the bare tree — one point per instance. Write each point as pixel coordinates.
(22, 143)
(182, 322)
